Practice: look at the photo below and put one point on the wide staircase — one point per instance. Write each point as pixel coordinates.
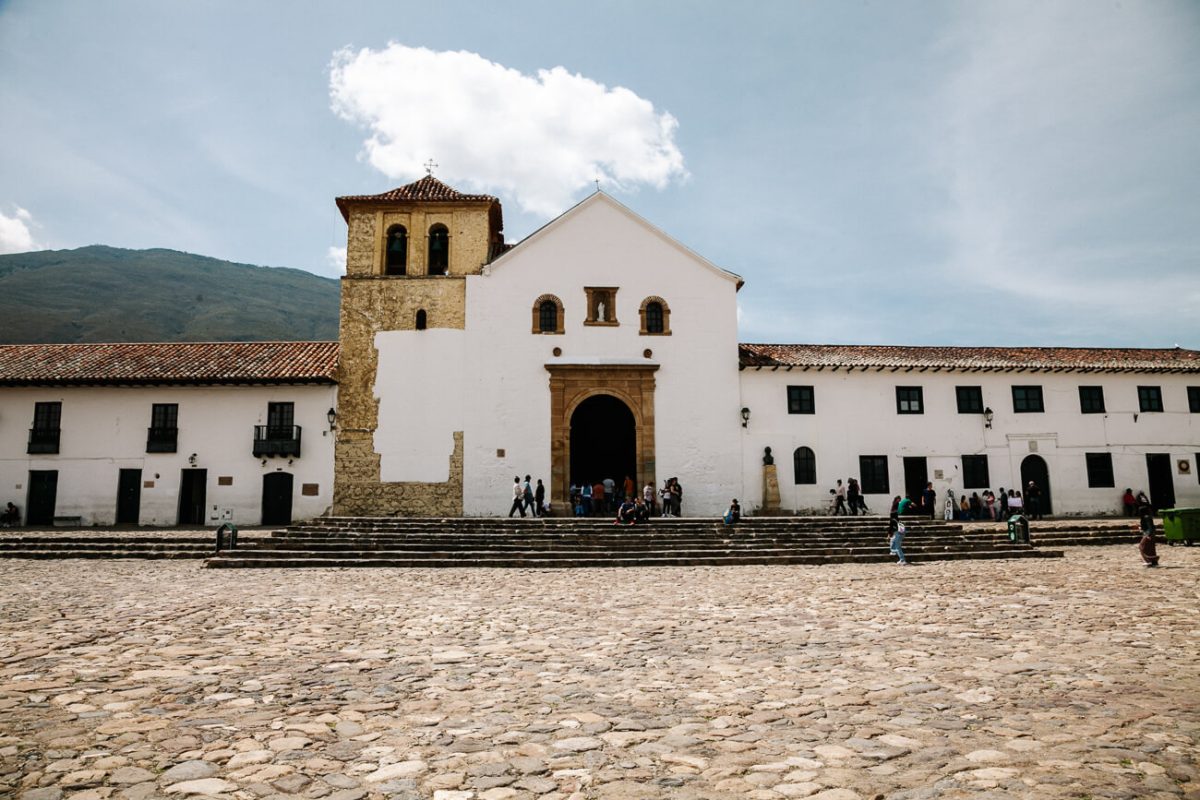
(110, 544)
(558, 543)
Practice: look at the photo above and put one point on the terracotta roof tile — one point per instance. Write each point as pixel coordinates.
(970, 358)
(157, 363)
(427, 190)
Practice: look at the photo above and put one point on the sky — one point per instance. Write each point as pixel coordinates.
(960, 173)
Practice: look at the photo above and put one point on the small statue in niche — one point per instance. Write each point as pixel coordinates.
(600, 312)
(768, 459)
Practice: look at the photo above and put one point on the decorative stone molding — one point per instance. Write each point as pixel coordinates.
(666, 316)
(601, 306)
(537, 315)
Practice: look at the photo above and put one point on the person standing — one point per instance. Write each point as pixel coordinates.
(630, 488)
(586, 497)
(1003, 505)
(518, 498)
(539, 499)
(648, 498)
(840, 499)
(610, 492)
(1033, 501)
(677, 497)
(599, 501)
(527, 497)
(852, 496)
(665, 495)
(929, 500)
(1130, 503)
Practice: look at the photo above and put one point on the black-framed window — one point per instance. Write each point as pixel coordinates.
(1194, 399)
(43, 436)
(1091, 399)
(801, 400)
(975, 472)
(874, 473)
(654, 318)
(281, 415)
(910, 400)
(1150, 398)
(1100, 470)
(804, 463)
(970, 399)
(396, 251)
(1027, 400)
(163, 434)
(548, 316)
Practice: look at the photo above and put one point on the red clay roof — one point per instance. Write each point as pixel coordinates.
(853, 356)
(427, 190)
(158, 363)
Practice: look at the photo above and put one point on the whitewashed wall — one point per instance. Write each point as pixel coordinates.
(856, 415)
(506, 384)
(104, 431)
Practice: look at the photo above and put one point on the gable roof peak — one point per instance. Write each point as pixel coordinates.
(427, 189)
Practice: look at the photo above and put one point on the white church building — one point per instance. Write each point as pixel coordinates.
(598, 347)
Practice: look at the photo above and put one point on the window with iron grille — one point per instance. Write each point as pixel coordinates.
(1150, 398)
(874, 473)
(975, 472)
(548, 316)
(801, 400)
(1100, 470)
(163, 434)
(1194, 399)
(909, 400)
(1027, 400)
(804, 462)
(654, 318)
(1091, 399)
(970, 399)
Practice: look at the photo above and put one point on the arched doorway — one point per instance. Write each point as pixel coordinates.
(603, 441)
(1034, 468)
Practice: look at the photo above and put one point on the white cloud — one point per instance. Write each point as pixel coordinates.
(336, 256)
(15, 236)
(539, 139)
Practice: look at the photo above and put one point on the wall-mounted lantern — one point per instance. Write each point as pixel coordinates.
(331, 415)
(745, 416)
(987, 417)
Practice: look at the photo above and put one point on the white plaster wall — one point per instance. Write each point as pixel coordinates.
(856, 415)
(104, 431)
(506, 388)
(420, 385)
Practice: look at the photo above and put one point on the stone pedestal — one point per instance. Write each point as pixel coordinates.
(770, 504)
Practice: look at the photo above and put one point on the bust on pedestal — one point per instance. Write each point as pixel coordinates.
(770, 504)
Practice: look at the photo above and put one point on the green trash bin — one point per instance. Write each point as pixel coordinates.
(1181, 525)
(1018, 528)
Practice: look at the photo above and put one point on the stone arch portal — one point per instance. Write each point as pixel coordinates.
(619, 400)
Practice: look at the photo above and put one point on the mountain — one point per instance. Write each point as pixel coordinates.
(107, 294)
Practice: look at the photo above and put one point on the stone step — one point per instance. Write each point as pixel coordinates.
(520, 544)
(256, 560)
(114, 552)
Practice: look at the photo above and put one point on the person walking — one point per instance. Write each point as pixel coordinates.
(1033, 501)
(527, 497)
(896, 531)
(518, 498)
(1146, 546)
(840, 500)
(539, 499)
(852, 496)
(929, 500)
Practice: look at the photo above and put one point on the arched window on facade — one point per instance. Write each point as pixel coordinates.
(422, 320)
(439, 250)
(804, 460)
(547, 314)
(656, 317)
(395, 259)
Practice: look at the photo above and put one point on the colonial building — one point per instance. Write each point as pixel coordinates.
(598, 347)
(167, 433)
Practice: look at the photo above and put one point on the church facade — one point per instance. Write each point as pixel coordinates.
(599, 347)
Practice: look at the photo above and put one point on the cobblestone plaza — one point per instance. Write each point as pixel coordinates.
(1063, 678)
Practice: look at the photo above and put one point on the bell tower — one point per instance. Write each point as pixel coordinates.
(408, 253)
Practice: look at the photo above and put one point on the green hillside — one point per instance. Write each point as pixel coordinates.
(106, 294)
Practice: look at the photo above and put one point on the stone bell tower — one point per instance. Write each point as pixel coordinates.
(408, 252)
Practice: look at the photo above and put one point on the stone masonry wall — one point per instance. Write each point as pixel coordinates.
(372, 303)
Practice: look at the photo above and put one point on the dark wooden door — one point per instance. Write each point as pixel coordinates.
(1162, 484)
(916, 475)
(129, 497)
(43, 494)
(193, 484)
(277, 498)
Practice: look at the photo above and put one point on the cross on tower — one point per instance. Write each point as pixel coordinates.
(429, 167)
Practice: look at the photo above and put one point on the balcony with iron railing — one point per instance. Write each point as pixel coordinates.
(276, 440)
(43, 440)
(162, 440)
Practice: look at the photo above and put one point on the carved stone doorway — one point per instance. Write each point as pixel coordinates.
(573, 384)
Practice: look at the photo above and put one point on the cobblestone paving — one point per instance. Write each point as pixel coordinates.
(1069, 678)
